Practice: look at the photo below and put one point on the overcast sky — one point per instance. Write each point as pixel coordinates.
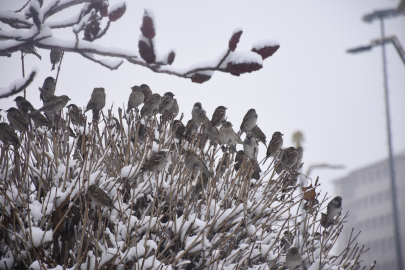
(311, 84)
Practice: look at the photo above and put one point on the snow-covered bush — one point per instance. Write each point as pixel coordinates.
(168, 220)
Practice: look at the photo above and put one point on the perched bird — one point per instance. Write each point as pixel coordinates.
(218, 116)
(275, 145)
(172, 112)
(287, 240)
(56, 56)
(136, 98)
(146, 91)
(279, 167)
(178, 129)
(204, 120)
(166, 102)
(326, 221)
(24, 106)
(30, 49)
(55, 105)
(250, 147)
(39, 119)
(48, 87)
(224, 161)
(215, 136)
(197, 108)
(293, 258)
(290, 157)
(96, 102)
(155, 163)
(249, 121)
(334, 207)
(75, 115)
(300, 151)
(151, 105)
(194, 163)
(142, 133)
(259, 135)
(100, 198)
(227, 135)
(240, 156)
(16, 119)
(190, 129)
(8, 135)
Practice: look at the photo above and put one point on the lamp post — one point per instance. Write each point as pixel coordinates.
(381, 15)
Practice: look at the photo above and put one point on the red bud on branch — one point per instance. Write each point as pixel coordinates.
(146, 52)
(147, 28)
(104, 9)
(240, 68)
(170, 58)
(117, 12)
(266, 51)
(234, 40)
(200, 78)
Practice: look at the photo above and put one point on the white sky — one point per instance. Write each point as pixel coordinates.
(310, 84)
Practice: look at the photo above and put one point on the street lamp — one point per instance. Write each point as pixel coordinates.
(381, 15)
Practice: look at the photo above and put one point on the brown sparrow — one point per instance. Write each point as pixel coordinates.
(172, 112)
(190, 129)
(39, 119)
(155, 163)
(75, 115)
(218, 116)
(136, 98)
(8, 135)
(250, 147)
(16, 119)
(334, 207)
(197, 108)
(151, 105)
(100, 198)
(194, 163)
(30, 49)
(326, 222)
(96, 102)
(205, 121)
(146, 91)
(56, 56)
(227, 135)
(249, 121)
(55, 105)
(259, 135)
(179, 130)
(166, 102)
(142, 133)
(275, 145)
(290, 157)
(240, 156)
(48, 87)
(293, 258)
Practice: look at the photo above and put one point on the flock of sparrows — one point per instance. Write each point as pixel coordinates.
(217, 130)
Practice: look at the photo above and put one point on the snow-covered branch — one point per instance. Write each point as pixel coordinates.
(33, 27)
(17, 86)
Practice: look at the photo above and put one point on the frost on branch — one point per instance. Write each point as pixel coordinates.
(18, 85)
(34, 25)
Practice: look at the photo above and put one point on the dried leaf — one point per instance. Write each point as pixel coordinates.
(200, 78)
(117, 13)
(240, 68)
(147, 28)
(266, 51)
(170, 57)
(310, 194)
(146, 52)
(234, 40)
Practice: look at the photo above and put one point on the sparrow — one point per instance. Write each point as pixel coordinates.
(240, 155)
(259, 135)
(30, 49)
(287, 240)
(178, 129)
(24, 106)
(142, 133)
(75, 115)
(166, 102)
(279, 167)
(227, 135)
(16, 119)
(197, 108)
(205, 121)
(56, 56)
(334, 207)
(39, 119)
(48, 87)
(155, 163)
(190, 129)
(326, 221)
(136, 98)
(300, 151)
(100, 198)
(173, 111)
(194, 163)
(274, 145)
(151, 105)
(290, 157)
(55, 105)
(215, 136)
(249, 121)
(250, 147)
(310, 206)
(218, 116)
(293, 178)
(8, 135)
(293, 258)
(146, 91)
(96, 102)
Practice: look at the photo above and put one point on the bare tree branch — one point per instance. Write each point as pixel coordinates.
(17, 86)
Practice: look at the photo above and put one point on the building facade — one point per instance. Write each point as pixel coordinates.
(367, 197)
